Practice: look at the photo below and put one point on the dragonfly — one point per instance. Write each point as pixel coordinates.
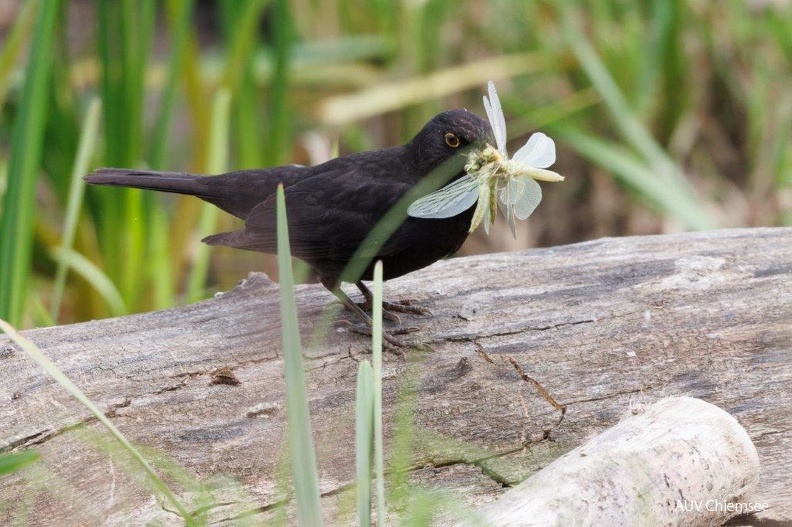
(493, 180)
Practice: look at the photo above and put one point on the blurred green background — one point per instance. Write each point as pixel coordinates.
(668, 115)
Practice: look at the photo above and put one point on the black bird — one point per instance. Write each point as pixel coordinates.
(331, 207)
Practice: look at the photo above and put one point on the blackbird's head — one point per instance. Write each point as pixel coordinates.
(449, 134)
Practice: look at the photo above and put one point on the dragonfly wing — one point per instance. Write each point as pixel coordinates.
(538, 152)
(508, 213)
(448, 201)
(512, 191)
(495, 116)
(529, 199)
(512, 226)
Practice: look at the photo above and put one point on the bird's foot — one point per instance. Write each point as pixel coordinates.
(404, 306)
(389, 336)
(389, 309)
(387, 313)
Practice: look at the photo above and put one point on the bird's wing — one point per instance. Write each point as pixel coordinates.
(240, 192)
(329, 217)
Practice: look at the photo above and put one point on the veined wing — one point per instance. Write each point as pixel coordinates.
(518, 198)
(538, 152)
(508, 213)
(448, 201)
(495, 116)
(510, 190)
(528, 199)
(520, 195)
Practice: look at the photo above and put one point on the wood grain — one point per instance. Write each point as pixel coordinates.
(600, 325)
(677, 462)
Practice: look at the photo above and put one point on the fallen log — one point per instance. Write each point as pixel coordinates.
(680, 461)
(600, 325)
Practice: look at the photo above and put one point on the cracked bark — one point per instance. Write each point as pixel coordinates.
(600, 325)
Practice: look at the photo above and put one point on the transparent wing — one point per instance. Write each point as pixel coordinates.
(538, 152)
(529, 199)
(511, 191)
(508, 213)
(448, 201)
(513, 194)
(495, 116)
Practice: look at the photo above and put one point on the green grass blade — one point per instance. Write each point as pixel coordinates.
(125, 41)
(86, 269)
(19, 201)
(533, 118)
(376, 357)
(164, 269)
(664, 169)
(280, 122)
(218, 161)
(303, 455)
(180, 12)
(164, 263)
(242, 32)
(241, 35)
(52, 369)
(12, 45)
(37, 311)
(10, 463)
(623, 115)
(136, 32)
(626, 167)
(364, 439)
(108, 219)
(88, 139)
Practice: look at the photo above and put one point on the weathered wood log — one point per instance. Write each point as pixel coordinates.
(600, 325)
(679, 461)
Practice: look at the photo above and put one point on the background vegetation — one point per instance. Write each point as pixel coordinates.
(668, 115)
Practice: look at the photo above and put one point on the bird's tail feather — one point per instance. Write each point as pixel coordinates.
(208, 188)
(176, 182)
(237, 193)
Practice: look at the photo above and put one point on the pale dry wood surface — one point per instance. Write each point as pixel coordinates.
(601, 325)
(654, 467)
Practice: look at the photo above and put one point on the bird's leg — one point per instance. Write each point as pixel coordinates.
(404, 306)
(365, 328)
(368, 304)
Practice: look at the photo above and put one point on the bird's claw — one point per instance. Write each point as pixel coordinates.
(389, 310)
(401, 306)
(387, 336)
(405, 306)
(387, 313)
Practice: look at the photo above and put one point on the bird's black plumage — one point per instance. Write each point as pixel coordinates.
(331, 207)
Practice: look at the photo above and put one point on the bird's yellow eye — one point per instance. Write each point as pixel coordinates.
(452, 140)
